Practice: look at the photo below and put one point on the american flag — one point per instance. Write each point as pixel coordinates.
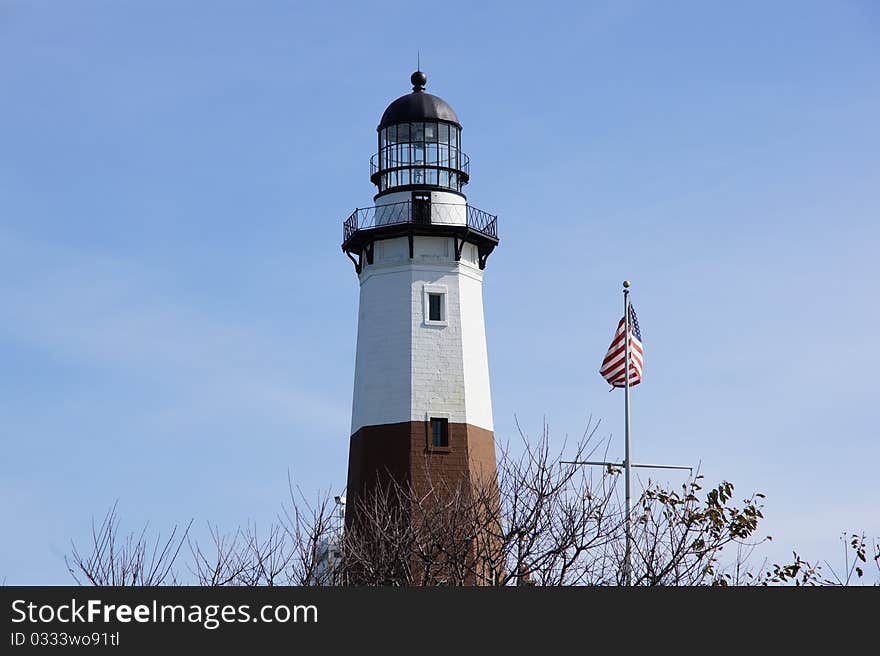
(615, 359)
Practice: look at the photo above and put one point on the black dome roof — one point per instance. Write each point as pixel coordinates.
(418, 106)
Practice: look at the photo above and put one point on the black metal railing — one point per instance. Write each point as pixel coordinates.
(455, 160)
(482, 222)
(448, 169)
(448, 214)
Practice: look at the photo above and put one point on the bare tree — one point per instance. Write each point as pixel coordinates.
(223, 563)
(543, 521)
(130, 559)
(312, 531)
(546, 522)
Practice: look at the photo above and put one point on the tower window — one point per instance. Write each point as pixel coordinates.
(439, 431)
(435, 307)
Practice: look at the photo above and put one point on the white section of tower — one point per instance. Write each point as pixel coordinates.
(409, 368)
(446, 208)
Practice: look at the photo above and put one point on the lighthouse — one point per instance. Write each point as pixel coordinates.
(422, 408)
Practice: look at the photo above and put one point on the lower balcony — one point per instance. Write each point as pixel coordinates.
(411, 218)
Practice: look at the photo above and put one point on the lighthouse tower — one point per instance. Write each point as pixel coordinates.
(422, 410)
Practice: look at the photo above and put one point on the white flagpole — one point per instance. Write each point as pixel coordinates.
(627, 457)
(627, 463)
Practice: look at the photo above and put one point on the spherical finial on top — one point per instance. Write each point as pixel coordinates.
(419, 80)
(626, 284)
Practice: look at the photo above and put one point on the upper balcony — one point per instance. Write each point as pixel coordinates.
(411, 218)
(446, 169)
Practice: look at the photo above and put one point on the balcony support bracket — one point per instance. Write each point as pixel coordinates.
(355, 261)
(459, 245)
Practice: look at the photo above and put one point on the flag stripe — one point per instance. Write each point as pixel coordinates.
(614, 363)
(619, 355)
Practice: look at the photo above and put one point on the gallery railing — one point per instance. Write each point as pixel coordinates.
(439, 214)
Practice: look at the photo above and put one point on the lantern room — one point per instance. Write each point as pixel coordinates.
(419, 144)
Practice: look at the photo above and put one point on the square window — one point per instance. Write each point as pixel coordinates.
(439, 432)
(434, 311)
(435, 307)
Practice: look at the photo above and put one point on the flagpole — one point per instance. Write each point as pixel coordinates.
(627, 459)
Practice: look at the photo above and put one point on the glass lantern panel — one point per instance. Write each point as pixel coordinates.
(403, 132)
(443, 131)
(417, 132)
(431, 132)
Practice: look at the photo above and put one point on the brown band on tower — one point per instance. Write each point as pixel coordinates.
(403, 453)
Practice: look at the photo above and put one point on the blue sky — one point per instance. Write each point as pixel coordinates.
(177, 322)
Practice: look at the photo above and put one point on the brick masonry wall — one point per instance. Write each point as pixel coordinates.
(403, 452)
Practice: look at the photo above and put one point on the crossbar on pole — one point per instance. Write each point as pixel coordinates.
(621, 464)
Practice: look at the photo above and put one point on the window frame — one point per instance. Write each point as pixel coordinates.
(443, 292)
(443, 423)
(429, 432)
